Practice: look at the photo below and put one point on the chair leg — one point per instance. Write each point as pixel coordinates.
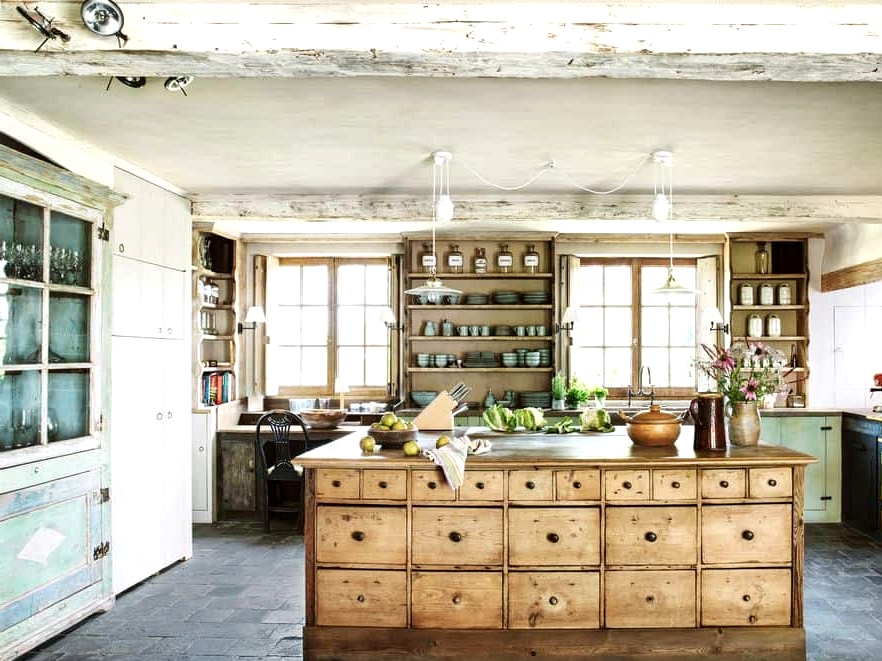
(265, 508)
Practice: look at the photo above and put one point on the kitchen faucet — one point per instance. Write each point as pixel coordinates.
(641, 392)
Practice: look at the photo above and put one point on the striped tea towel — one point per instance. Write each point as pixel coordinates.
(451, 457)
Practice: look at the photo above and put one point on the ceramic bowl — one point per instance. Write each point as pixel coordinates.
(391, 438)
(322, 418)
(423, 397)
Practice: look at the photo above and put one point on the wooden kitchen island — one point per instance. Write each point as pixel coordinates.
(555, 547)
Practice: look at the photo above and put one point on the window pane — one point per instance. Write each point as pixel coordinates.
(376, 360)
(376, 277)
(654, 327)
(683, 327)
(350, 284)
(589, 365)
(315, 326)
(68, 328)
(286, 325)
(617, 285)
(682, 367)
(617, 327)
(315, 366)
(350, 325)
(589, 329)
(591, 285)
(68, 405)
(350, 366)
(22, 325)
(315, 284)
(290, 358)
(617, 368)
(290, 276)
(657, 362)
(375, 330)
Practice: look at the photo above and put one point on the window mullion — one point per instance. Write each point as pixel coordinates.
(636, 318)
(332, 324)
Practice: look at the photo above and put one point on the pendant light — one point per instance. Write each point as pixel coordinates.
(433, 289)
(663, 210)
(671, 286)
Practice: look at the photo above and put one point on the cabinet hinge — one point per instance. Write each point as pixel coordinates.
(101, 550)
(102, 495)
(103, 233)
(99, 426)
(825, 428)
(826, 497)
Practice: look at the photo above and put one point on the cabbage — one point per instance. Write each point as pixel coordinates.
(594, 419)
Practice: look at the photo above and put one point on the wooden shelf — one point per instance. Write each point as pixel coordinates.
(479, 369)
(469, 338)
(769, 276)
(766, 308)
(221, 368)
(217, 337)
(482, 276)
(214, 274)
(217, 306)
(512, 306)
(769, 338)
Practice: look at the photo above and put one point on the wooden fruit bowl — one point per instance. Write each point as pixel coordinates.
(322, 418)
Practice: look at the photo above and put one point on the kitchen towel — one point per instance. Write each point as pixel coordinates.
(452, 457)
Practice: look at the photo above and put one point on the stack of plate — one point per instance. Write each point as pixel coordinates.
(502, 331)
(480, 359)
(476, 299)
(541, 400)
(535, 297)
(505, 297)
(545, 357)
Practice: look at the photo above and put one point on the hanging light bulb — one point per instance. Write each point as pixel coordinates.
(661, 208)
(444, 209)
(663, 187)
(441, 173)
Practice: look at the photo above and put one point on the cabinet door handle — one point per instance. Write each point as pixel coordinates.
(335, 483)
(752, 619)
(826, 428)
(530, 485)
(433, 485)
(168, 415)
(747, 534)
(455, 537)
(122, 247)
(675, 485)
(168, 331)
(552, 600)
(360, 598)
(650, 536)
(457, 599)
(577, 485)
(159, 416)
(724, 484)
(746, 597)
(357, 535)
(626, 485)
(201, 448)
(553, 537)
(773, 482)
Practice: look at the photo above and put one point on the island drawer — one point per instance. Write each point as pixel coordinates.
(651, 535)
(732, 534)
(370, 598)
(553, 600)
(723, 483)
(627, 484)
(482, 485)
(383, 484)
(361, 535)
(456, 600)
(430, 484)
(770, 482)
(674, 484)
(651, 599)
(577, 484)
(530, 484)
(745, 597)
(457, 536)
(337, 483)
(553, 536)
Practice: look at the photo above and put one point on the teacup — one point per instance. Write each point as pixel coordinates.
(474, 331)
(541, 331)
(462, 330)
(520, 331)
(422, 360)
(531, 331)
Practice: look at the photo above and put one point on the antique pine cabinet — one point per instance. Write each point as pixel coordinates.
(574, 547)
(54, 397)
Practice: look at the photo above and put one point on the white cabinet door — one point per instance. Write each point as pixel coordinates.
(148, 300)
(174, 296)
(176, 247)
(127, 312)
(204, 426)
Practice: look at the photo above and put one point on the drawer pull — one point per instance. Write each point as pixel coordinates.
(747, 534)
(433, 485)
(457, 599)
(455, 536)
(479, 485)
(553, 537)
(577, 485)
(357, 535)
(675, 485)
(724, 484)
(360, 599)
(746, 597)
(752, 619)
(773, 482)
(650, 536)
(382, 484)
(335, 483)
(530, 484)
(552, 601)
(649, 598)
(626, 485)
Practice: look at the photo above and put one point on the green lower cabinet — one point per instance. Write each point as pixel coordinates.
(819, 436)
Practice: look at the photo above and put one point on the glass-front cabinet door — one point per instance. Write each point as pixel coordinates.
(47, 308)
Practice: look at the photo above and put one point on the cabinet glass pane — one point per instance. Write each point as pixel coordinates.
(19, 409)
(68, 405)
(70, 250)
(21, 239)
(68, 328)
(21, 324)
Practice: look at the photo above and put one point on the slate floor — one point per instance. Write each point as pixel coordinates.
(240, 597)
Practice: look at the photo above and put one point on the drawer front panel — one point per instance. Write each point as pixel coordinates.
(531, 485)
(770, 482)
(674, 484)
(554, 536)
(456, 600)
(361, 535)
(431, 485)
(384, 484)
(578, 484)
(651, 535)
(482, 485)
(745, 597)
(627, 485)
(457, 536)
(554, 600)
(652, 599)
(336, 483)
(723, 483)
(746, 533)
(370, 598)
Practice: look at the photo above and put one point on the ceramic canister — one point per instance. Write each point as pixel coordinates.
(745, 294)
(754, 326)
(766, 294)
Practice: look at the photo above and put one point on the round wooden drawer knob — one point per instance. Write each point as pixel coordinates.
(457, 599)
(746, 597)
(650, 536)
(752, 619)
(360, 598)
(479, 485)
(626, 485)
(649, 598)
(553, 537)
(530, 485)
(577, 485)
(335, 483)
(675, 485)
(357, 535)
(552, 601)
(455, 536)
(382, 484)
(433, 485)
(773, 482)
(747, 534)
(724, 484)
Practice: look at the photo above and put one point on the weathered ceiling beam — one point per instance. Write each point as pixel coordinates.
(809, 41)
(355, 208)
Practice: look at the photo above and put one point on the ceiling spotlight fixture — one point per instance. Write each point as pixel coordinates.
(441, 171)
(663, 199)
(43, 25)
(433, 289)
(129, 81)
(178, 83)
(105, 18)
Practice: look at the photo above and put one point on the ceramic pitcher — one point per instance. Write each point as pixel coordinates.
(743, 423)
(710, 431)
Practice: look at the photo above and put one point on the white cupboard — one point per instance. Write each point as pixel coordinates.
(204, 428)
(149, 301)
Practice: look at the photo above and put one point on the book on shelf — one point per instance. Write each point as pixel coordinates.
(217, 388)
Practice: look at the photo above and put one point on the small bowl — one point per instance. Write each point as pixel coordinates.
(423, 397)
(322, 418)
(393, 438)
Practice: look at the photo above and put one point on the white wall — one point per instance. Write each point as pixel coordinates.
(851, 244)
(844, 349)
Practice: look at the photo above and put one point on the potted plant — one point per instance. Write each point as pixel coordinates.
(577, 394)
(558, 391)
(600, 394)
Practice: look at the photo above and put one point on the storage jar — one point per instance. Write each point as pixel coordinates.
(454, 260)
(427, 259)
(784, 294)
(773, 325)
(531, 259)
(754, 326)
(762, 258)
(766, 294)
(480, 261)
(745, 294)
(504, 259)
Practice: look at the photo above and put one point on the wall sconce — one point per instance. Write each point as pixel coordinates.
(388, 318)
(713, 320)
(570, 317)
(254, 316)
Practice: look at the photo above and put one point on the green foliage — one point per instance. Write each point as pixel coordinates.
(578, 393)
(558, 386)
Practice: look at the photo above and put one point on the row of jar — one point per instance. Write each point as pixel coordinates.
(756, 325)
(503, 261)
(765, 294)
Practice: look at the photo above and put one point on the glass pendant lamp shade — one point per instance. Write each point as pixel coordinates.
(671, 286)
(661, 208)
(444, 209)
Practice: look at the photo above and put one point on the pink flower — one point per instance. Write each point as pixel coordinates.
(749, 389)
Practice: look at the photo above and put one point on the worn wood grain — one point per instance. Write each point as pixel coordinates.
(745, 597)
(798, 543)
(852, 276)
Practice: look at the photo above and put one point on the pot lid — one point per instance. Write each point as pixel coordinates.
(653, 416)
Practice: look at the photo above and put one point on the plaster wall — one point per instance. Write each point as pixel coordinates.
(851, 244)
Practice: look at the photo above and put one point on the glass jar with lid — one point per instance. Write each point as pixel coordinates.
(504, 259)
(762, 258)
(480, 261)
(427, 259)
(745, 294)
(454, 259)
(531, 259)
(766, 294)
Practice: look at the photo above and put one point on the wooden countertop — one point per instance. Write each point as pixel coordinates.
(551, 449)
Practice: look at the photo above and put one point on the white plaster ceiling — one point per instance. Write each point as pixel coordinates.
(376, 135)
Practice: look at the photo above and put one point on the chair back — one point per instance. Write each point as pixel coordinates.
(277, 452)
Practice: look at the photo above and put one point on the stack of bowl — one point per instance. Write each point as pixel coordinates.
(509, 359)
(545, 357)
(532, 359)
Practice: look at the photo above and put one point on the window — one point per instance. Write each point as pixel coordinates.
(325, 325)
(624, 327)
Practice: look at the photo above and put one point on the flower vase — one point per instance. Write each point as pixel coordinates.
(743, 423)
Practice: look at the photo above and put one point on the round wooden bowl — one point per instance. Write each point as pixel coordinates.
(393, 438)
(322, 418)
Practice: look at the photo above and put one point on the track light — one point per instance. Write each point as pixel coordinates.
(104, 18)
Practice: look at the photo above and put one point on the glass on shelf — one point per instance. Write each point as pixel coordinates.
(68, 391)
(21, 239)
(21, 324)
(68, 328)
(69, 250)
(20, 411)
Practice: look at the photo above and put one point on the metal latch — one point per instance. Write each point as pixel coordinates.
(102, 495)
(104, 233)
(825, 428)
(826, 497)
(101, 551)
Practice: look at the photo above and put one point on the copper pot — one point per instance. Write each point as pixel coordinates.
(653, 427)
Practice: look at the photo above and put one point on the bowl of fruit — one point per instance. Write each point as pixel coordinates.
(392, 432)
(322, 418)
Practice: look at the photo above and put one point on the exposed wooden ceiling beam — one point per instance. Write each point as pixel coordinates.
(809, 41)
